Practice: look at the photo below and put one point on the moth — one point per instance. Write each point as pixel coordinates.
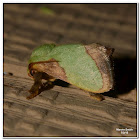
(88, 67)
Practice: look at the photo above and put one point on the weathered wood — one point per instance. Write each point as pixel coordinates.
(67, 111)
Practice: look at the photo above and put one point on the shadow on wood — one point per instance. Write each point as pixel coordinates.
(125, 76)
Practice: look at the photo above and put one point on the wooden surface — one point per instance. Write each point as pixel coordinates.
(67, 110)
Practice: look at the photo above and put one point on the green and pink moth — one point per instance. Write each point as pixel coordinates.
(85, 66)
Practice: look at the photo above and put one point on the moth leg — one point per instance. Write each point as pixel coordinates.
(36, 86)
(49, 83)
(96, 96)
